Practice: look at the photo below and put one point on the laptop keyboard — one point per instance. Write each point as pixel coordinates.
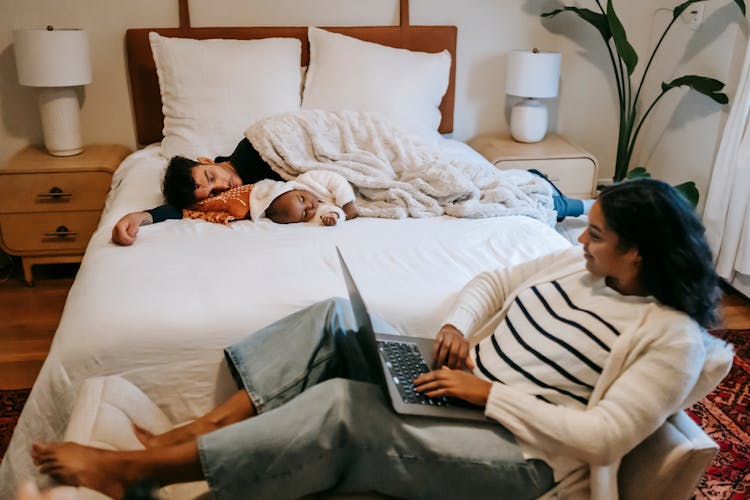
(405, 363)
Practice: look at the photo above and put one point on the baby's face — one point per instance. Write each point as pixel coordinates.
(296, 205)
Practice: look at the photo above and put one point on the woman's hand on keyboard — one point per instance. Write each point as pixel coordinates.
(455, 383)
(451, 348)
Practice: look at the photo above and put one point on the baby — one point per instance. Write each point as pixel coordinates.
(317, 196)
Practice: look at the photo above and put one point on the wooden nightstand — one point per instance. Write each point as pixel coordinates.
(50, 205)
(572, 169)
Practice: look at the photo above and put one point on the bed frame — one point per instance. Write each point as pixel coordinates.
(144, 83)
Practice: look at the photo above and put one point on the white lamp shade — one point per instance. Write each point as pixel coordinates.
(532, 74)
(52, 58)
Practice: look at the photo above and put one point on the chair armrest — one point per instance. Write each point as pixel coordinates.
(669, 463)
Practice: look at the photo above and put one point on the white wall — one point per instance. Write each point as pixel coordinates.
(680, 138)
(678, 145)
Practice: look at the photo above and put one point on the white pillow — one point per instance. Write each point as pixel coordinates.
(405, 86)
(212, 89)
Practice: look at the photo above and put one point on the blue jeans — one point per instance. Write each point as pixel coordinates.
(564, 206)
(323, 426)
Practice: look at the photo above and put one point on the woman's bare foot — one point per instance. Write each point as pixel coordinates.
(235, 409)
(145, 437)
(78, 465)
(177, 435)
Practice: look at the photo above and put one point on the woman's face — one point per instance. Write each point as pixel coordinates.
(605, 258)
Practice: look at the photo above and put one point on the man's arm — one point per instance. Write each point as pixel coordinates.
(125, 231)
(165, 212)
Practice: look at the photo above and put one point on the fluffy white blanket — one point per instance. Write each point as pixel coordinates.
(393, 174)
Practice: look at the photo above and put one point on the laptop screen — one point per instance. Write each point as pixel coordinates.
(365, 333)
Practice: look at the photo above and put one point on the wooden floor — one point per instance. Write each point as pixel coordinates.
(29, 318)
(736, 311)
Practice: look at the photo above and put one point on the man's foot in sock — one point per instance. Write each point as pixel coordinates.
(560, 201)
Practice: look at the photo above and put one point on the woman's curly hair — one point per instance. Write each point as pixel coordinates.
(676, 261)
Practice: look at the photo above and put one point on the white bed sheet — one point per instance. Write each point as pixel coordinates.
(159, 313)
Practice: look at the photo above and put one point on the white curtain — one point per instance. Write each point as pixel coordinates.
(727, 211)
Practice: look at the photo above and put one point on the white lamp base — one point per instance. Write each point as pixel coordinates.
(61, 127)
(528, 121)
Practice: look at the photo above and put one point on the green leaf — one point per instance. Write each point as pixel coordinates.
(638, 173)
(741, 5)
(597, 20)
(681, 8)
(689, 191)
(707, 86)
(624, 49)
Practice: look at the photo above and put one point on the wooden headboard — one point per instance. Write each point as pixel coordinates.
(144, 83)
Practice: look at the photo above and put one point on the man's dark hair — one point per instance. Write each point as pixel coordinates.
(676, 263)
(179, 186)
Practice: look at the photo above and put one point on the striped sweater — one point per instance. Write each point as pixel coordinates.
(581, 374)
(555, 339)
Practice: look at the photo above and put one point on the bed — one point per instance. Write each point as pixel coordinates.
(159, 313)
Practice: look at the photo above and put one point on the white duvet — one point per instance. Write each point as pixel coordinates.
(394, 174)
(159, 313)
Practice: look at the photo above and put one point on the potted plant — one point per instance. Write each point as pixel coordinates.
(624, 59)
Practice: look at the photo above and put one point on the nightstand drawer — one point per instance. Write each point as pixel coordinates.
(576, 177)
(52, 192)
(50, 205)
(572, 169)
(38, 233)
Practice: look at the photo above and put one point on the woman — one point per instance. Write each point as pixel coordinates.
(584, 356)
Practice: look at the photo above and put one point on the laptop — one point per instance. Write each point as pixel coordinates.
(396, 360)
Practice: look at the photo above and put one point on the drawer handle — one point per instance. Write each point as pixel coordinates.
(54, 193)
(61, 232)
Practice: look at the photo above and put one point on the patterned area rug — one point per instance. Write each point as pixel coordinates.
(11, 403)
(723, 414)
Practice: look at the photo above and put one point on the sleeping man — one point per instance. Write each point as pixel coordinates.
(395, 175)
(187, 181)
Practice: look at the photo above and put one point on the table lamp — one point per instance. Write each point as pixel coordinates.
(533, 75)
(56, 60)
